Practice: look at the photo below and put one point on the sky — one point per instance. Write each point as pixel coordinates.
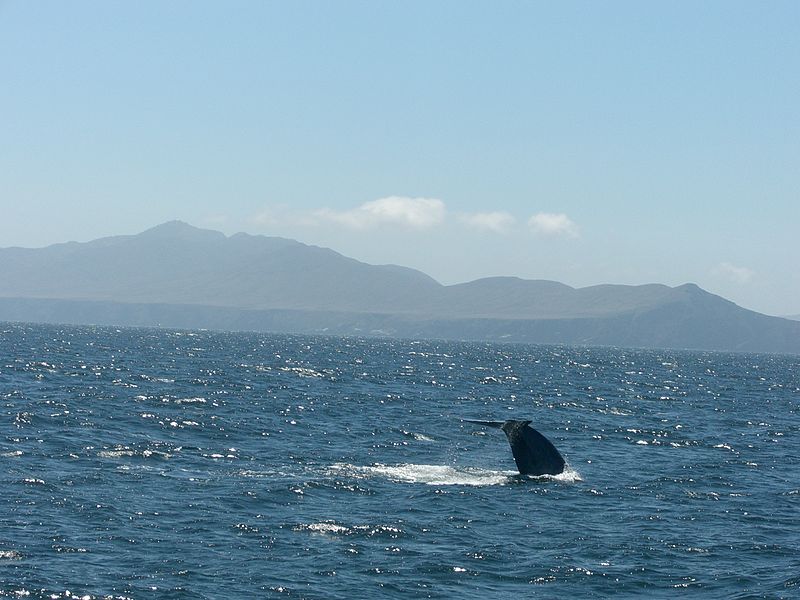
(583, 142)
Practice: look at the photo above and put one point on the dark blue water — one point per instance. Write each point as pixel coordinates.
(157, 464)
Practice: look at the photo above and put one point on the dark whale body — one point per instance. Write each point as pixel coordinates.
(533, 453)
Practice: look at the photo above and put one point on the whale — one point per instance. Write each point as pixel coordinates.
(533, 453)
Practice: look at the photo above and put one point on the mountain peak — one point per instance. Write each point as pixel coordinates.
(180, 230)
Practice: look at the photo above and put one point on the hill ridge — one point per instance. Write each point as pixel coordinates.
(175, 264)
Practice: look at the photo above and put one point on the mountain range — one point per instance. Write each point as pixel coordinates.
(176, 275)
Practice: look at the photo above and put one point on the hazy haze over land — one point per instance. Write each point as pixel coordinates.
(585, 143)
(176, 275)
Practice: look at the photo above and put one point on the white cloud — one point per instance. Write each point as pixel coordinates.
(498, 222)
(417, 213)
(734, 273)
(553, 224)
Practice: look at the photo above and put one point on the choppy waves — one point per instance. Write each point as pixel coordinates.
(162, 464)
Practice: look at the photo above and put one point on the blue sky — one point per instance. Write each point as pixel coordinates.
(586, 142)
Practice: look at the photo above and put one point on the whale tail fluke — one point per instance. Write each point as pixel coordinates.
(533, 453)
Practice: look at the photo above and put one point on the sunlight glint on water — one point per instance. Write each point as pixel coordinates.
(166, 464)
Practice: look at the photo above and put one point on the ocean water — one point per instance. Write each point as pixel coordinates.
(143, 463)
